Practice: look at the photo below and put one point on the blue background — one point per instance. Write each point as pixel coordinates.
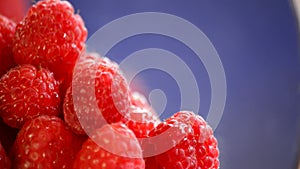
(257, 43)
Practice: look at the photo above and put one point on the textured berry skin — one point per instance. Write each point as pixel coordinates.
(142, 121)
(5, 162)
(122, 145)
(50, 35)
(142, 118)
(70, 116)
(45, 142)
(27, 92)
(108, 100)
(7, 30)
(197, 149)
(112, 92)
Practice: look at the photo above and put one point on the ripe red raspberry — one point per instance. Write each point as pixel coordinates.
(141, 121)
(50, 35)
(5, 162)
(13, 9)
(27, 92)
(45, 142)
(115, 147)
(7, 30)
(197, 148)
(108, 99)
(70, 115)
(142, 118)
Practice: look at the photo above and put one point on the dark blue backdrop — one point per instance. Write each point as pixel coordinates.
(257, 43)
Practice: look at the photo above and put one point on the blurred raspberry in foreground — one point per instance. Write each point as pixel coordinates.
(14, 9)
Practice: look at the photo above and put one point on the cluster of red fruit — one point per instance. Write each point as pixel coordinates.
(41, 127)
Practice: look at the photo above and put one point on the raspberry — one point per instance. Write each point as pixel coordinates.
(45, 142)
(142, 121)
(110, 97)
(50, 35)
(13, 9)
(197, 149)
(27, 92)
(142, 118)
(7, 30)
(5, 162)
(70, 116)
(121, 144)
(46, 45)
